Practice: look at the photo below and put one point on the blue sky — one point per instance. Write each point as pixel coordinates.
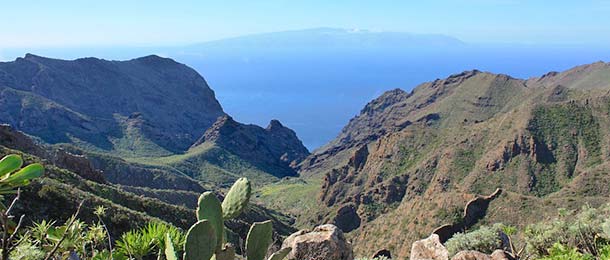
(29, 23)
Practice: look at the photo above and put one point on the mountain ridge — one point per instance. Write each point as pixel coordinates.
(140, 115)
(409, 160)
(99, 95)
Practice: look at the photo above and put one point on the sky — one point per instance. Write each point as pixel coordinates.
(31, 23)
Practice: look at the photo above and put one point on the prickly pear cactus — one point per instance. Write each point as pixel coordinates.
(10, 163)
(279, 255)
(226, 253)
(259, 239)
(209, 208)
(200, 241)
(237, 199)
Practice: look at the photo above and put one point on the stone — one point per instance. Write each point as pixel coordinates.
(501, 255)
(471, 255)
(325, 242)
(430, 248)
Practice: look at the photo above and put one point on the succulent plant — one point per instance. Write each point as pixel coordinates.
(237, 199)
(170, 253)
(279, 255)
(207, 238)
(11, 176)
(200, 241)
(209, 208)
(259, 239)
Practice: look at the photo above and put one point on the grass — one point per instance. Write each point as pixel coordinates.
(295, 197)
(209, 164)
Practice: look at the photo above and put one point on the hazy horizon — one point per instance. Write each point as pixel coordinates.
(315, 84)
(160, 23)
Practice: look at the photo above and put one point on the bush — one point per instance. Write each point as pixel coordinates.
(560, 252)
(587, 231)
(485, 240)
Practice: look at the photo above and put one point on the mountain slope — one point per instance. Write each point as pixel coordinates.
(145, 104)
(410, 161)
(141, 122)
(70, 179)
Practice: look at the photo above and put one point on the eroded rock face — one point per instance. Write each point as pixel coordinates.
(325, 242)
(275, 149)
(430, 248)
(78, 164)
(475, 210)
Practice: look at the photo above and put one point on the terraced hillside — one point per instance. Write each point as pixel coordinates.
(409, 162)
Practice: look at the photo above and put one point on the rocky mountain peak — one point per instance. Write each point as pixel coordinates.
(388, 98)
(224, 126)
(275, 125)
(275, 149)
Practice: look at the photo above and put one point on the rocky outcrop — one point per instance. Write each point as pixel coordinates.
(60, 157)
(79, 164)
(275, 149)
(430, 248)
(475, 210)
(87, 100)
(325, 242)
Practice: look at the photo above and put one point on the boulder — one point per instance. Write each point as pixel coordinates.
(430, 248)
(471, 255)
(325, 242)
(476, 255)
(501, 255)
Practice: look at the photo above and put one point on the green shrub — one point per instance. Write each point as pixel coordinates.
(27, 251)
(560, 252)
(587, 231)
(485, 239)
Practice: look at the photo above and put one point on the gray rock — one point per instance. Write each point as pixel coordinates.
(471, 255)
(325, 242)
(430, 248)
(501, 255)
